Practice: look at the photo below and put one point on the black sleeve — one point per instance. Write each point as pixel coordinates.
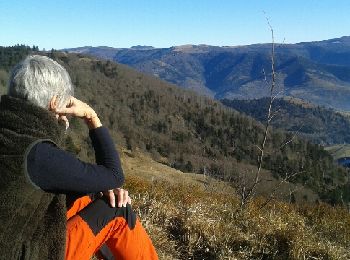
(58, 171)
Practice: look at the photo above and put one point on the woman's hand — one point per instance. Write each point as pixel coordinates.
(77, 108)
(122, 195)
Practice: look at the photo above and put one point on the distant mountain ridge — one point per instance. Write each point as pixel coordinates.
(318, 72)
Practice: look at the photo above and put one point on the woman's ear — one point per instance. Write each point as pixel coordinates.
(53, 103)
(53, 106)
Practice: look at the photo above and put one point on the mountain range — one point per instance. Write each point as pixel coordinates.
(318, 72)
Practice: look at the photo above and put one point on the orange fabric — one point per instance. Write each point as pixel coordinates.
(124, 243)
(77, 206)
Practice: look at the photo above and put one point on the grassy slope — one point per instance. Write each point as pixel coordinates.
(146, 167)
(192, 217)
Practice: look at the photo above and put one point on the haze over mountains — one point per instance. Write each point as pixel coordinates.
(318, 72)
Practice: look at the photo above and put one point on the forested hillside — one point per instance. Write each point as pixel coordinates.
(9, 56)
(318, 124)
(190, 132)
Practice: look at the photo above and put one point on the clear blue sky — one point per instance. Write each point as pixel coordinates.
(164, 23)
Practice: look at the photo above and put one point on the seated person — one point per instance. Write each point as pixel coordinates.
(46, 211)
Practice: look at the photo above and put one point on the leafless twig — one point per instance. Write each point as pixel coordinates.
(291, 139)
(285, 179)
(248, 193)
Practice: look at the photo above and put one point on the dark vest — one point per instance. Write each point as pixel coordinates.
(32, 222)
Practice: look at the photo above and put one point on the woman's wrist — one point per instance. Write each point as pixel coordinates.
(92, 120)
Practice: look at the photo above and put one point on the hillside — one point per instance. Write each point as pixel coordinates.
(190, 132)
(9, 56)
(190, 216)
(314, 71)
(318, 124)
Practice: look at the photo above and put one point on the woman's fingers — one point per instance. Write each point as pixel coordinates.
(53, 107)
(77, 108)
(111, 197)
(65, 120)
(123, 197)
(120, 195)
(67, 111)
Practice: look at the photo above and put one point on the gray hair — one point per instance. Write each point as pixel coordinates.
(37, 79)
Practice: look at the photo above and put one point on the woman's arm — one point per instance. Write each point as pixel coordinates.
(58, 171)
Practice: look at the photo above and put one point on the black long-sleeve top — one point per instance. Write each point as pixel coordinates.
(55, 170)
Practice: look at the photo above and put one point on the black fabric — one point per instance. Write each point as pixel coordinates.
(105, 253)
(55, 170)
(33, 222)
(99, 213)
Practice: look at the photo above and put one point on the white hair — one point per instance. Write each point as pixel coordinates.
(37, 79)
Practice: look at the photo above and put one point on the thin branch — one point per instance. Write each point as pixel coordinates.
(265, 78)
(290, 140)
(257, 146)
(251, 190)
(275, 96)
(277, 187)
(247, 193)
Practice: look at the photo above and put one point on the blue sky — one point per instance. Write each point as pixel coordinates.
(164, 23)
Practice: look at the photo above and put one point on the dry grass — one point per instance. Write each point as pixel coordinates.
(188, 220)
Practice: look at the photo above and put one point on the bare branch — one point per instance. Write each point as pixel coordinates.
(275, 96)
(290, 140)
(265, 78)
(257, 146)
(248, 192)
(277, 187)
(251, 191)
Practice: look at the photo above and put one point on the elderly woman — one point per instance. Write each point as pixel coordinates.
(45, 209)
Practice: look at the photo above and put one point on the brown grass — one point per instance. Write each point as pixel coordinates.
(188, 220)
